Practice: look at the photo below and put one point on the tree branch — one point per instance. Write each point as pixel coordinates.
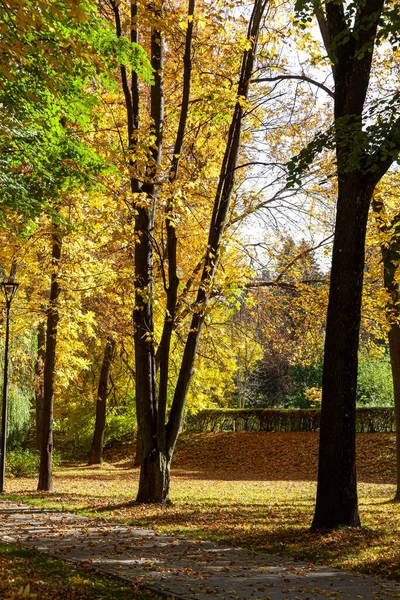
(300, 77)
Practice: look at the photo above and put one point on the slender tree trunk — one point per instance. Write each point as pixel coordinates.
(46, 455)
(217, 227)
(39, 365)
(158, 439)
(394, 348)
(390, 251)
(96, 451)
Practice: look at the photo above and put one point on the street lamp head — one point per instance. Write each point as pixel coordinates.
(9, 288)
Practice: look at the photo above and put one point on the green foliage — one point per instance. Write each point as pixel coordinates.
(374, 387)
(375, 384)
(48, 104)
(120, 425)
(18, 415)
(74, 429)
(22, 463)
(303, 377)
(368, 420)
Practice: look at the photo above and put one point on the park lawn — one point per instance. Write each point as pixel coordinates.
(29, 575)
(227, 494)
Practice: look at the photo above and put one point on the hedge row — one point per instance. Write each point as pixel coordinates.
(368, 420)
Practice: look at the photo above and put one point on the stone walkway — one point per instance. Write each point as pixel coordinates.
(179, 567)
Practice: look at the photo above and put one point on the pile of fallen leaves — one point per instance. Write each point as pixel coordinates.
(249, 489)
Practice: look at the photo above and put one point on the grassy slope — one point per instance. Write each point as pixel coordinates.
(249, 489)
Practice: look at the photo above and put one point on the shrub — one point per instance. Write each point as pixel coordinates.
(18, 416)
(368, 420)
(22, 463)
(375, 384)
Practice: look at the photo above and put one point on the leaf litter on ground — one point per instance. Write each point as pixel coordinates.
(255, 490)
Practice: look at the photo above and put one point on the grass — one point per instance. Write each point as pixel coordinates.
(247, 489)
(33, 576)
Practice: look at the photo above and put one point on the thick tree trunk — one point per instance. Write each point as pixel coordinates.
(337, 503)
(46, 455)
(96, 451)
(39, 365)
(154, 478)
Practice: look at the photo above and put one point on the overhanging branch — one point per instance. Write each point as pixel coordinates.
(300, 77)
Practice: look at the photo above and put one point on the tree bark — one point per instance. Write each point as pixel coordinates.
(96, 451)
(158, 439)
(39, 365)
(336, 503)
(390, 251)
(154, 459)
(394, 348)
(46, 455)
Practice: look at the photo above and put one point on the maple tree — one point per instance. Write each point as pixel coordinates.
(158, 437)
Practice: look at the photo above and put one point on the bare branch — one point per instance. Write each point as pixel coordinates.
(300, 77)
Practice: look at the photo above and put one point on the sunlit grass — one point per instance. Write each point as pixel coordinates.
(248, 511)
(273, 516)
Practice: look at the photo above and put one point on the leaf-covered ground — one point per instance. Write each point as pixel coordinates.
(249, 489)
(32, 576)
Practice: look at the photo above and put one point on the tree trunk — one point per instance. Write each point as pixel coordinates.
(154, 478)
(337, 503)
(46, 455)
(390, 250)
(153, 473)
(394, 348)
(41, 350)
(96, 451)
(158, 439)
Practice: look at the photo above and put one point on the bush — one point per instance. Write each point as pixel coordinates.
(375, 384)
(368, 420)
(18, 416)
(121, 425)
(22, 463)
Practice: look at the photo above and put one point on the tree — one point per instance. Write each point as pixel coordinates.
(96, 451)
(364, 153)
(157, 433)
(45, 482)
(289, 307)
(389, 229)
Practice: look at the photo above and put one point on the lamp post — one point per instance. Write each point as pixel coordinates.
(9, 288)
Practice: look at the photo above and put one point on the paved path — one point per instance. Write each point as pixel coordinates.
(179, 567)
